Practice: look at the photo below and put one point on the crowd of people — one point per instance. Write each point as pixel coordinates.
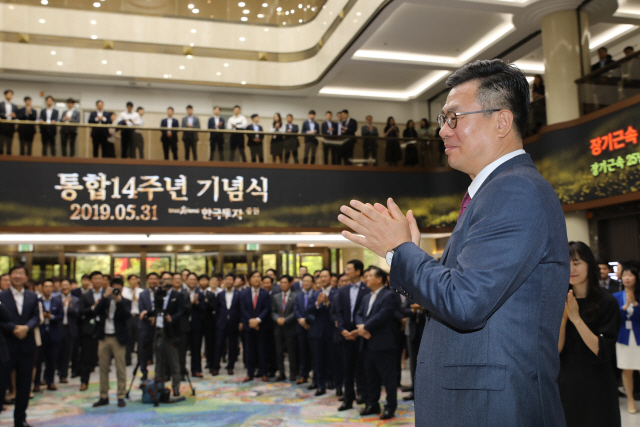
(338, 135)
(349, 333)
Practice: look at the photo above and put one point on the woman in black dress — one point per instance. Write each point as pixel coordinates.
(393, 152)
(411, 150)
(588, 334)
(277, 141)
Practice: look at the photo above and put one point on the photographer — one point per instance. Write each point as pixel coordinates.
(112, 313)
(168, 310)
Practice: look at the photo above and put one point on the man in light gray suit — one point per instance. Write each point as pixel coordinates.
(489, 352)
(190, 139)
(68, 134)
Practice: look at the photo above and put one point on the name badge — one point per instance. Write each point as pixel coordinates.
(628, 324)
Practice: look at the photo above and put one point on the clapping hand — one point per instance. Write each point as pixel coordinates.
(572, 308)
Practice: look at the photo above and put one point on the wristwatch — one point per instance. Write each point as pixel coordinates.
(389, 255)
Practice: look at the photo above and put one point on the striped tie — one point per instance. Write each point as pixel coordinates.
(465, 203)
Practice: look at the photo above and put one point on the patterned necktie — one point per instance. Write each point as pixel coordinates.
(465, 203)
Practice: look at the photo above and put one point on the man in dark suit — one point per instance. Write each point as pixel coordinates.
(370, 145)
(301, 309)
(166, 318)
(216, 139)
(24, 317)
(227, 325)
(291, 142)
(310, 129)
(209, 317)
(255, 305)
(489, 353)
(611, 285)
(347, 304)
(337, 355)
(198, 308)
(255, 140)
(190, 138)
(85, 283)
(268, 325)
(68, 134)
(68, 329)
(604, 59)
(169, 137)
(8, 112)
(329, 128)
(88, 342)
(285, 328)
(349, 127)
(185, 327)
(113, 311)
(321, 332)
(99, 135)
(146, 324)
(53, 313)
(378, 328)
(416, 320)
(48, 119)
(26, 132)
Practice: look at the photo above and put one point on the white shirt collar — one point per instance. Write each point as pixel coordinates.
(16, 292)
(484, 173)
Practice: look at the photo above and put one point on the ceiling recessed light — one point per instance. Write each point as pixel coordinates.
(59, 63)
(242, 39)
(287, 12)
(313, 9)
(358, 13)
(226, 64)
(260, 15)
(189, 56)
(244, 18)
(190, 6)
(118, 72)
(196, 11)
(266, 30)
(166, 76)
(284, 23)
(243, 82)
(193, 31)
(182, 67)
(104, 61)
(93, 22)
(246, 11)
(53, 52)
(191, 44)
(94, 37)
(42, 21)
(96, 4)
(300, 20)
(44, 2)
(241, 4)
(300, 6)
(264, 5)
(293, 11)
(279, 9)
(218, 73)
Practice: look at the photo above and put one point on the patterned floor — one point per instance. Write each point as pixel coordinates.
(219, 401)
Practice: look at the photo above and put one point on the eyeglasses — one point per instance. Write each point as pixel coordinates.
(452, 118)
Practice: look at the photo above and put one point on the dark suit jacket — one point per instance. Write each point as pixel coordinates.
(325, 128)
(45, 128)
(349, 127)
(297, 286)
(73, 313)
(289, 327)
(343, 307)
(75, 118)
(496, 307)
(608, 60)
(197, 311)
(87, 314)
(120, 317)
(291, 129)
(333, 297)
(77, 292)
(175, 309)
(380, 321)
(7, 128)
(4, 317)
(323, 326)
(30, 316)
(250, 136)
(300, 311)
(262, 310)
(145, 303)
(27, 132)
(55, 323)
(190, 136)
(174, 131)
(306, 128)
(215, 136)
(231, 317)
(97, 132)
(613, 286)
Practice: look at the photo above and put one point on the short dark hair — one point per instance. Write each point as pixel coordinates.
(271, 269)
(153, 273)
(185, 269)
(345, 111)
(603, 48)
(313, 279)
(139, 108)
(329, 112)
(48, 96)
(117, 281)
(71, 101)
(18, 266)
(378, 272)
(254, 115)
(99, 100)
(192, 273)
(290, 115)
(165, 273)
(230, 275)
(628, 47)
(170, 108)
(7, 91)
(357, 264)
(132, 275)
(312, 112)
(268, 277)
(189, 106)
(94, 273)
(85, 276)
(500, 85)
(204, 276)
(235, 106)
(26, 98)
(129, 104)
(286, 276)
(215, 106)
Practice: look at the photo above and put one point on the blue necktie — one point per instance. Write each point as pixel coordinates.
(306, 298)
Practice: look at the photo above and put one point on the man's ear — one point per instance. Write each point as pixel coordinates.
(504, 123)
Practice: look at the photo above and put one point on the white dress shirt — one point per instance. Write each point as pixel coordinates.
(49, 112)
(126, 293)
(109, 326)
(65, 307)
(169, 122)
(18, 297)
(228, 297)
(216, 121)
(130, 118)
(160, 319)
(240, 121)
(484, 173)
(69, 113)
(372, 299)
(8, 108)
(312, 126)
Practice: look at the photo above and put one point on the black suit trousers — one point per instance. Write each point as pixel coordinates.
(48, 141)
(23, 363)
(195, 344)
(323, 347)
(381, 368)
(172, 145)
(226, 338)
(216, 142)
(145, 347)
(337, 361)
(26, 145)
(191, 145)
(255, 346)
(237, 143)
(68, 138)
(306, 358)
(88, 357)
(354, 370)
(289, 343)
(47, 354)
(256, 153)
(67, 344)
(100, 143)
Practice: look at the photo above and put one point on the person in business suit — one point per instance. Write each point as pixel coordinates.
(190, 139)
(489, 353)
(227, 325)
(285, 328)
(611, 285)
(88, 342)
(130, 119)
(268, 325)
(132, 293)
(291, 142)
(48, 119)
(346, 305)
(337, 354)
(68, 328)
(237, 122)
(100, 135)
(26, 132)
(4, 353)
(185, 326)
(370, 145)
(310, 129)
(68, 134)
(169, 137)
(167, 332)
(18, 333)
(194, 337)
(113, 312)
(321, 332)
(75, 352)
(50, 335)
(301, 309)
(604, 59)
(209, 317)
(416, 320)
(349, 127)
(216, 139)
(146, 324)
(328, 129)
(8, 112)
(255, 140)
(378, 328)
(255, 306)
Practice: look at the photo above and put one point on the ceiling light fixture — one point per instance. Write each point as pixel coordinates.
(93, 22)
(226, 64)
(193, 31)
(287, 12)
(246, 11)
(279, 9)
(94, 37)
(59, 63)
(196, 11)
(242, 39)
(218, 73)
(42, 21)
(96, 4)
(190, 6)
(609, 35)
(191, 44)
(118, 72)
(293, 11)
(104, 61)
(166, 76)
(260, 15)
(53, 52)
(266, 30)
(241, 4)
(243, 82)
(182, 67)
(189, 56)
(44, 2)
(284, 23)
(244, 18)
(300, 20)
(530, 66)
(264, 5)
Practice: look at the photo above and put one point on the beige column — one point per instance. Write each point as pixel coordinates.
(561, 49)
(428, 245)
(577, 226)
(352, 253)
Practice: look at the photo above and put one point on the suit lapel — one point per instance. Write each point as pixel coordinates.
(12, 302)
